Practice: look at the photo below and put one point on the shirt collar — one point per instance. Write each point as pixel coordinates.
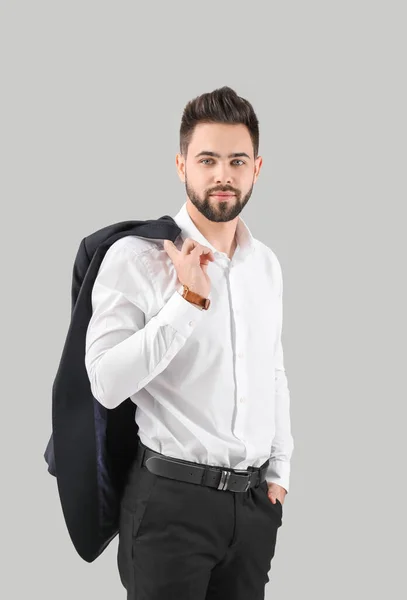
(244, 238)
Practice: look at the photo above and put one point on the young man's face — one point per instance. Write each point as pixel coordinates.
(204, 174)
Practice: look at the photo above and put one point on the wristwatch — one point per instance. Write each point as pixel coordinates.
(194, 298)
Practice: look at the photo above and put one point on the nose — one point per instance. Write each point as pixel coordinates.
(223, 175)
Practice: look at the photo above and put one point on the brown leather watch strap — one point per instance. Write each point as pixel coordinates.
(195, 298)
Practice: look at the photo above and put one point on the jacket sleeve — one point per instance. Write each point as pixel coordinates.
(123, 353)
(283, 443)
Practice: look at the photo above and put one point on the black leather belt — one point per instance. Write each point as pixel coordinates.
(222, 478)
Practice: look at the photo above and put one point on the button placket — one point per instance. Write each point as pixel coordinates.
(241, 383)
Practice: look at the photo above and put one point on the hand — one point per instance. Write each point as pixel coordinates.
(191, 263)
(276, 491)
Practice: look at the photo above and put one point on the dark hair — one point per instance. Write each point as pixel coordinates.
(223, 105)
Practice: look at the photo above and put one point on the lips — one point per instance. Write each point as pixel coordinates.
(222, 195)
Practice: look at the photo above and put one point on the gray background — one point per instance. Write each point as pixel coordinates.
(91, 101)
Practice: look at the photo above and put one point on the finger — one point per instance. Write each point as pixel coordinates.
(206, 258)
(188, 245)
(203, 252)
(170, 248)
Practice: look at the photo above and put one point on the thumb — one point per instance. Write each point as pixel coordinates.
(170, 248)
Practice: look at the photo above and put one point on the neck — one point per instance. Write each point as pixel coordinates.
(222, 235)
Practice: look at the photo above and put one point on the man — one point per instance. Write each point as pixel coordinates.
(191, 332)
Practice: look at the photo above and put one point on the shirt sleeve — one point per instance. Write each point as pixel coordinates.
(283, 443)
(123, 353)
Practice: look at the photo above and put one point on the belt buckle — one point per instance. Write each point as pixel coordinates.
(249, 473)
(223, 483)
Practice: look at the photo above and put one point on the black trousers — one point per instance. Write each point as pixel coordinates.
(179, 540)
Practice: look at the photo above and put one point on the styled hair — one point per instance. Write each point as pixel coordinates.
(223, 105)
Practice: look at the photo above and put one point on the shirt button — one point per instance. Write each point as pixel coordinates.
(191, 323)
(242, 399)
(240, 354)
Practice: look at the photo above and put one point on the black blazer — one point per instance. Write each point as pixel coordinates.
(91, 448)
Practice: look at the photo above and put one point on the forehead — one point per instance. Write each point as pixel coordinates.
(221, 137)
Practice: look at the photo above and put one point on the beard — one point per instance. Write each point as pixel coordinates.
(218, 210)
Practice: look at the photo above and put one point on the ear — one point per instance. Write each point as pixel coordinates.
(180, 164)
(257, 166)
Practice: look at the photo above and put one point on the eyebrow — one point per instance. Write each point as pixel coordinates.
(209, 153)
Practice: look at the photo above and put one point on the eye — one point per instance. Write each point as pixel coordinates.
(236, 160)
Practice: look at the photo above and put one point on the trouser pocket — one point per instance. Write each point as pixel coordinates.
(277, 508)
(133, 508)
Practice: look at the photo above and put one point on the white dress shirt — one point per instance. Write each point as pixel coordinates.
(210, 385)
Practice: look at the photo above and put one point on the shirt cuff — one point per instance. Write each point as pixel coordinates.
(278, 472)
(180, 314)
